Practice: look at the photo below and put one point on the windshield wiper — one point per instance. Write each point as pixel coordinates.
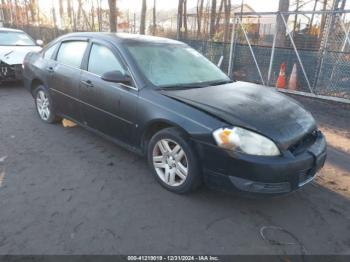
(182, 86)
(221, 83)
(195, 85)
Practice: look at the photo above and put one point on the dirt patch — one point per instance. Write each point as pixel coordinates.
(334, 121)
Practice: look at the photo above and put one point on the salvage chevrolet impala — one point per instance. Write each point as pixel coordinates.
(162, 99)
(14, 45)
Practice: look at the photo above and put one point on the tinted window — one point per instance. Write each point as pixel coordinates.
(49, 52)
(71, 53)
(102, 60)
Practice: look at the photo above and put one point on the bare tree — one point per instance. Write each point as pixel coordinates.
(99, 15)
(112, 15)
(54, 18)
(280, 26)
(323, 18)
(154, 28)
(218, 15)
(143, 17)
(26, 11)
(60, 2)
(16, 13)
(313, 15)
(185, 18)
(343, 3)
(69, 11)
(5, 10)
(92, 15)
(296, 16)
(80, 7)
(179, 19)
(182, 19)
(199, 16)
(227, 10)
(206, 20)
(212, 19)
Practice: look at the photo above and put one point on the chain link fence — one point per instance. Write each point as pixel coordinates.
(314, 47)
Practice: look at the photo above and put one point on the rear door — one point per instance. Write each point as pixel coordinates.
(66, 76)
(44, 64)
(106, 106)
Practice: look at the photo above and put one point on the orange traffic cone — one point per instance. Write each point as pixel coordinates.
(292, 85)
(281, 80)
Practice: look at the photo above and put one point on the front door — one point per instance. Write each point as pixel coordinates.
(107, 107)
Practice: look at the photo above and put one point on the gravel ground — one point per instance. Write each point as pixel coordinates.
(67, 191)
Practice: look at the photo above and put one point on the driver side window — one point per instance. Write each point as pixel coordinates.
(102, 60)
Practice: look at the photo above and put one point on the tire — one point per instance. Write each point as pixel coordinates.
(169, 164)
(44, 106)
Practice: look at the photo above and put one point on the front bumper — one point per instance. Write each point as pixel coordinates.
(10, 73)
(238, 172)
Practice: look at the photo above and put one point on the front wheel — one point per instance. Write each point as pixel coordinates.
(174, 161)
(44, 105)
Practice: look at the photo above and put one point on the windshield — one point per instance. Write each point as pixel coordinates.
(15, 38)
(174, 65)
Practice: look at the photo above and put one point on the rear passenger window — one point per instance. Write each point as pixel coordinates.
(71, 53)
(49, 52)
(102, 60)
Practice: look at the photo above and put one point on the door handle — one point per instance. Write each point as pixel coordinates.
(87, 83)
(50, 69)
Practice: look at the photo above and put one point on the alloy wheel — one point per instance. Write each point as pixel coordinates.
(170, 162)
(43, 105)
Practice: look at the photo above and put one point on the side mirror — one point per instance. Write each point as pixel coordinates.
(39, 42)
(117, 77)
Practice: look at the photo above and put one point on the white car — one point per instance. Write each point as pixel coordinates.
(14, 46)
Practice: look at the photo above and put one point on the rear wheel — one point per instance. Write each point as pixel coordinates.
(174, 161)
(44, 105)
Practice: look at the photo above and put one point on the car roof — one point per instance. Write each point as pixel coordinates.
(5, 29)
(124, 37)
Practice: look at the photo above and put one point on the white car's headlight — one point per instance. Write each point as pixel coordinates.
(245, 141)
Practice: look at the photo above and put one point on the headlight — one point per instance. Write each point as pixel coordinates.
(245, 141)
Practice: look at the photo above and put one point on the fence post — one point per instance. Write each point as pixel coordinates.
(324, 44)
(230, 63)
(251, 50)
(272, 55)
(297, 53)
(347, 39)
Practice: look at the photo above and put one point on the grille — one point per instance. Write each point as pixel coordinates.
(6, 71)
(304, 143)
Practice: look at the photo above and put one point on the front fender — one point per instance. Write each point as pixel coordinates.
(154, 107)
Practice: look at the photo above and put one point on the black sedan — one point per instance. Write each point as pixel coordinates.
(160, 98)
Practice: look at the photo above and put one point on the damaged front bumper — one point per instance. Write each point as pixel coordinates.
(9, 73)
(256, 175)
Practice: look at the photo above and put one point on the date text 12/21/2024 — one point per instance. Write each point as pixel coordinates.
(173, 258)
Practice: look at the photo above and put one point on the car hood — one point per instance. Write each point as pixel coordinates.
(251, 106)
(13, 55)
